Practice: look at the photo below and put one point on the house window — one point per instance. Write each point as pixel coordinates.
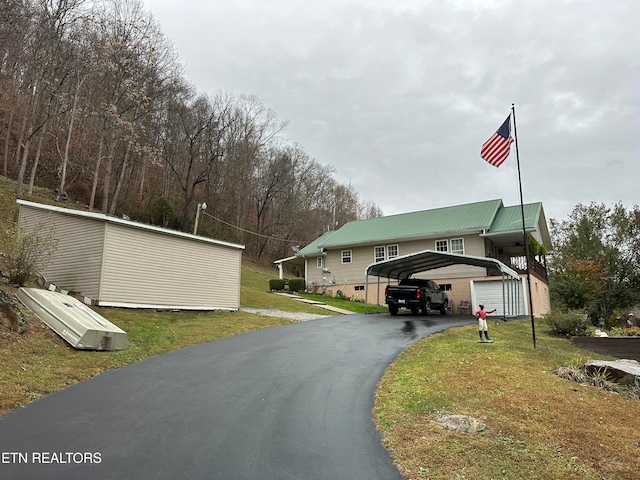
(346, 256)
(442, 246)
(457, 246)
(359, 288)
(385, 253)
(319, 262)
(446, 287)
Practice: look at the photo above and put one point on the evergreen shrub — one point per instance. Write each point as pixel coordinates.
(297, 284)
(276, 284)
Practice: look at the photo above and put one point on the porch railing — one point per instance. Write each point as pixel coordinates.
(519, 264)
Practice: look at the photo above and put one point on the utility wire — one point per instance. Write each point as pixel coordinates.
(252, 233)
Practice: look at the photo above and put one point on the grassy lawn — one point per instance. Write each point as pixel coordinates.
(539, 426)
(356, 307)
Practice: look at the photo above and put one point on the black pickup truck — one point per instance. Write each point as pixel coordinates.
(417, 295)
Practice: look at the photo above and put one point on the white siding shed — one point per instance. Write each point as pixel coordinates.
(121, 263)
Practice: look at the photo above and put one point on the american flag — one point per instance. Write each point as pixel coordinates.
(497, 148)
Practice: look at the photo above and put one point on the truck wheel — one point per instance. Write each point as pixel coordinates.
(443, 310)
(393, 309)
(414, 310)
(426, 306)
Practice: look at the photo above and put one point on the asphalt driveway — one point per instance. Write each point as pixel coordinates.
(290, 402)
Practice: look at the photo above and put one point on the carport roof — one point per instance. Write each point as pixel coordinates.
(406, 265)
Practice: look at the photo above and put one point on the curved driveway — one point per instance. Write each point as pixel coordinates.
(290, 402)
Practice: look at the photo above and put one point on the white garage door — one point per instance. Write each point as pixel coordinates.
(490, 293)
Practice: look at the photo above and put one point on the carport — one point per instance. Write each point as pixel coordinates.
(405, 266)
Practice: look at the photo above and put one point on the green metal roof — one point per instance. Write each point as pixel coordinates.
(314, 247)
(509, 219)
(490, 217)
(472, 217)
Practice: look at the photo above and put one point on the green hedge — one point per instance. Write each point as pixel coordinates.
(276, 284)
(567, 323)
(297, 285)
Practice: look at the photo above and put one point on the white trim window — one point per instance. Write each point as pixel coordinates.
(346, 256)
(457, 246)
(442, 245)
(392, 251)
(319, 262)
(378, 254)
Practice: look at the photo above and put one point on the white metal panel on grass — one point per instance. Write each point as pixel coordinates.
(77, 324)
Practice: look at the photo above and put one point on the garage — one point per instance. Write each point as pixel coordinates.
(505, 295)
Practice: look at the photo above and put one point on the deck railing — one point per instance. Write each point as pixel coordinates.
(519, 264)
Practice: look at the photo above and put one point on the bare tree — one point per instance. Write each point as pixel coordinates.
(97, 91)
(48, 67)
(15, 20)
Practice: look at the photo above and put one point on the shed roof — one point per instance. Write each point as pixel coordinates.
(128, 223)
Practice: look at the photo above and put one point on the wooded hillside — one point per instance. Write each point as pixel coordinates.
(94, 104)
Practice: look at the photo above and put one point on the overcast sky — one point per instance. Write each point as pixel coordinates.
(399, 95)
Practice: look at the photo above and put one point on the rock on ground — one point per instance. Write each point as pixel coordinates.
(461, 423)
(624, 372)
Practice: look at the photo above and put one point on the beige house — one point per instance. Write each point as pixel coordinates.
(120, 263)
(337, 260)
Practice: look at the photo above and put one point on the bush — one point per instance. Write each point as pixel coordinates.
(161, 213)
(632, 332)
(567, 323)
(27, 250)
(297, 284)
(276, 284)
(340, 295)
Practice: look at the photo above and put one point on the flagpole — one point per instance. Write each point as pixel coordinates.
(524, 227)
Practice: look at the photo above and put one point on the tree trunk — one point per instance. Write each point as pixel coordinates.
(16, 160)
(8, 140)
(123, 169)
(96, 174)
(143, 169)
(23, 168)
(65, 158)
(107, 177)
(25, 155)
(36, 160)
